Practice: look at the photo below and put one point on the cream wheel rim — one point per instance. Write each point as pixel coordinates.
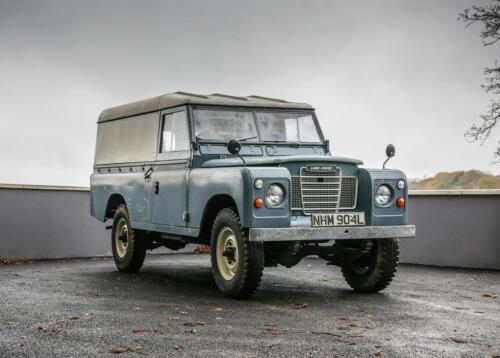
(227, 253)
(121, 237)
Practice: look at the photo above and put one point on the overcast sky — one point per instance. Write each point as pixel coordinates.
(378, 72)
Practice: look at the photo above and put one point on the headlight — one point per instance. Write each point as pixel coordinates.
(401, 184)
(258, 184)
(383, 195)
(275, 195)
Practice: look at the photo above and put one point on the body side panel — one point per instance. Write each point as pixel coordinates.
(131, 185)
(207, 183)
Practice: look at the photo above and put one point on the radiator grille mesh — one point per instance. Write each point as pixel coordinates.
(323, 191)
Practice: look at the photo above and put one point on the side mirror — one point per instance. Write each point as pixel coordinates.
(390, 151)
(234, 147)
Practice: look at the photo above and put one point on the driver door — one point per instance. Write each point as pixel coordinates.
(169, 179)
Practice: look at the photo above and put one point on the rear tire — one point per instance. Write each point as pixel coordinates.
(237, 264)
(128, 245)
(374, 271)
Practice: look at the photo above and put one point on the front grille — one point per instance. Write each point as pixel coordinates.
(349, 193)
(323, 191)
(320, 189)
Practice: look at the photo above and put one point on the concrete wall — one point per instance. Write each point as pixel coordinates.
(459, 229)
(454, 228)
(49, 224)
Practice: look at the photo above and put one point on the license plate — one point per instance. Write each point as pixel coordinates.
(338, 219)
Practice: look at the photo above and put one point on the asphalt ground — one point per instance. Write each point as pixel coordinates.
(172, 308)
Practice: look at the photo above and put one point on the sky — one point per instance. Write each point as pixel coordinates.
(395, 71)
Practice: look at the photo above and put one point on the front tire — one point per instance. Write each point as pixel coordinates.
(374, 271)
(128, 245)
(237, 264)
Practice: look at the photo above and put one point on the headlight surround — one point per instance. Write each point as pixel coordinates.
(383, 195)
(275, 195)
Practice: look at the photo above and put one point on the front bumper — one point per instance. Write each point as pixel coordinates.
(332, 233)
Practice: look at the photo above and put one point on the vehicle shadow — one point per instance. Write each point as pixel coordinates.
(194, 281)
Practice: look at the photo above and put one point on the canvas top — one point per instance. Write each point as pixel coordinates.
(181, 98)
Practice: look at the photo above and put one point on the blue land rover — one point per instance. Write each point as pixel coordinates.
(253, 177)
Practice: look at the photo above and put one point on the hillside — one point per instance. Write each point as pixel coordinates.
(469, 179)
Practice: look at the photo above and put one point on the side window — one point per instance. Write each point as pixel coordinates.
(175, 135)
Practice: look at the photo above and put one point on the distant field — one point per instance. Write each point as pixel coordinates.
(469, 179)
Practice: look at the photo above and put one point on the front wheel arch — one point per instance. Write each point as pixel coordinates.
(214, 205)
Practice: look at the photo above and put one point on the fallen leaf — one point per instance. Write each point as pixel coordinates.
(490, 295)
(193, 330)
(178, 347)
(272, 329)
(6, 261)
(74, 318)
(218, 309)
(299, 306)
(50, 327)
(201, 249)
(193, 323)
(119, 350)
(137, 330)
(462, 341)
(343, 328)
(377, 354)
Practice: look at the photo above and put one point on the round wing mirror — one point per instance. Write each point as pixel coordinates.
(234, 146)
(390, 151)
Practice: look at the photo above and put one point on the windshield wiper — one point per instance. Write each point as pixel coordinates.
(247, 138)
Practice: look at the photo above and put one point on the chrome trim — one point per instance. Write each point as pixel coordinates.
(331, 233)
(335, 174)
(340, 207)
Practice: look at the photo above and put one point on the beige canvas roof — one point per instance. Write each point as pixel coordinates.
(180, 98)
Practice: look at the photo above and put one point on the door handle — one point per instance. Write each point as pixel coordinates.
(147, 175)
(157, 187)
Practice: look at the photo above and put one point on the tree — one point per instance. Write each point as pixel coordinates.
(489, 17)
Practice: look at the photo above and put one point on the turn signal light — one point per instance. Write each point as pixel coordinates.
(259, 203)
(400, 202)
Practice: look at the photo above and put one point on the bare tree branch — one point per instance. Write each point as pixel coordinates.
(492, 79)
(489, 17)
(482, 132)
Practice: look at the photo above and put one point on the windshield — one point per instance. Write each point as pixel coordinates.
(287, 127)
(221, 125)
(258, 126)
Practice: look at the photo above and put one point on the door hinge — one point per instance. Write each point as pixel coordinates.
(185, 216)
